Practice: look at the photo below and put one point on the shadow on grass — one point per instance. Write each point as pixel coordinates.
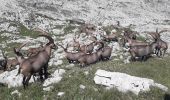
(167, 97)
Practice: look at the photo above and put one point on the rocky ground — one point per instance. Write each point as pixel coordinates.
(61, 19)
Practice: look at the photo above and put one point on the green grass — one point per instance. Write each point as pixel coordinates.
(154, 68)
(27, 32)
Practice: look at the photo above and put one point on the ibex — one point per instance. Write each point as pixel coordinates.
(142, 51)
(3, 62)
(161, 45)
(89, 48)
(12, 63)
(72, 57)
(36, 63)
(110, 37)
(132, 42)
(34, 51)
(90, 58)
(106, 53)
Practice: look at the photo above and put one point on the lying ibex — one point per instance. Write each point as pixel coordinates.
(110, 37)
(34, 51)
(76, 45)
(72, 57)
(90, 58)
(131, 42)
(106, 53)
(89, 48)
(11, 64)
(3, 62)
(142, 51)
(37, 63)
(130, 34)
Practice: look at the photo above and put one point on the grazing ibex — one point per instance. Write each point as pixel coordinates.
(36, 63)
(3, 62)
(72, 57)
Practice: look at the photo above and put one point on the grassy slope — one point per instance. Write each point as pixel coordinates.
(154, 68)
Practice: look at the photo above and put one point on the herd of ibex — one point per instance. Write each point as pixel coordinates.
(38, 58)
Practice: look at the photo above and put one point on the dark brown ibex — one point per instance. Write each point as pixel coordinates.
(37, 63)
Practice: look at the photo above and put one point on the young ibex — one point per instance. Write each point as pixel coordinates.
(107, 51)
(34, 51)
(37, 63)
(11, 64)
(89, 48)
(3, 62)
(72, 57)
(142, 51)
(131, 42)
(110, 37)
(130, 34)
(90, 58)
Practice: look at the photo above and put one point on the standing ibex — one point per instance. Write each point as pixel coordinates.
(142, 51)
(36, 63)
(161, 45)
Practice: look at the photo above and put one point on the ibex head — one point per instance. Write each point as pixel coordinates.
(50, 43)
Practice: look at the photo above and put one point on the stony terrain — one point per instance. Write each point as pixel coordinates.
(61, 19)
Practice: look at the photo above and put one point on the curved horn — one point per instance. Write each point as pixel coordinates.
(162, 31)
(48, 37)
(22, 46)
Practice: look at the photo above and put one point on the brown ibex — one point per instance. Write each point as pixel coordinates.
(142, 51)
(110, 37)
(36, 63)
(12, 63)
(131, 42)
(34, 51)
(72, 57)
(106, 53)
(3, 62)
(161, 45)
(90, 58)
